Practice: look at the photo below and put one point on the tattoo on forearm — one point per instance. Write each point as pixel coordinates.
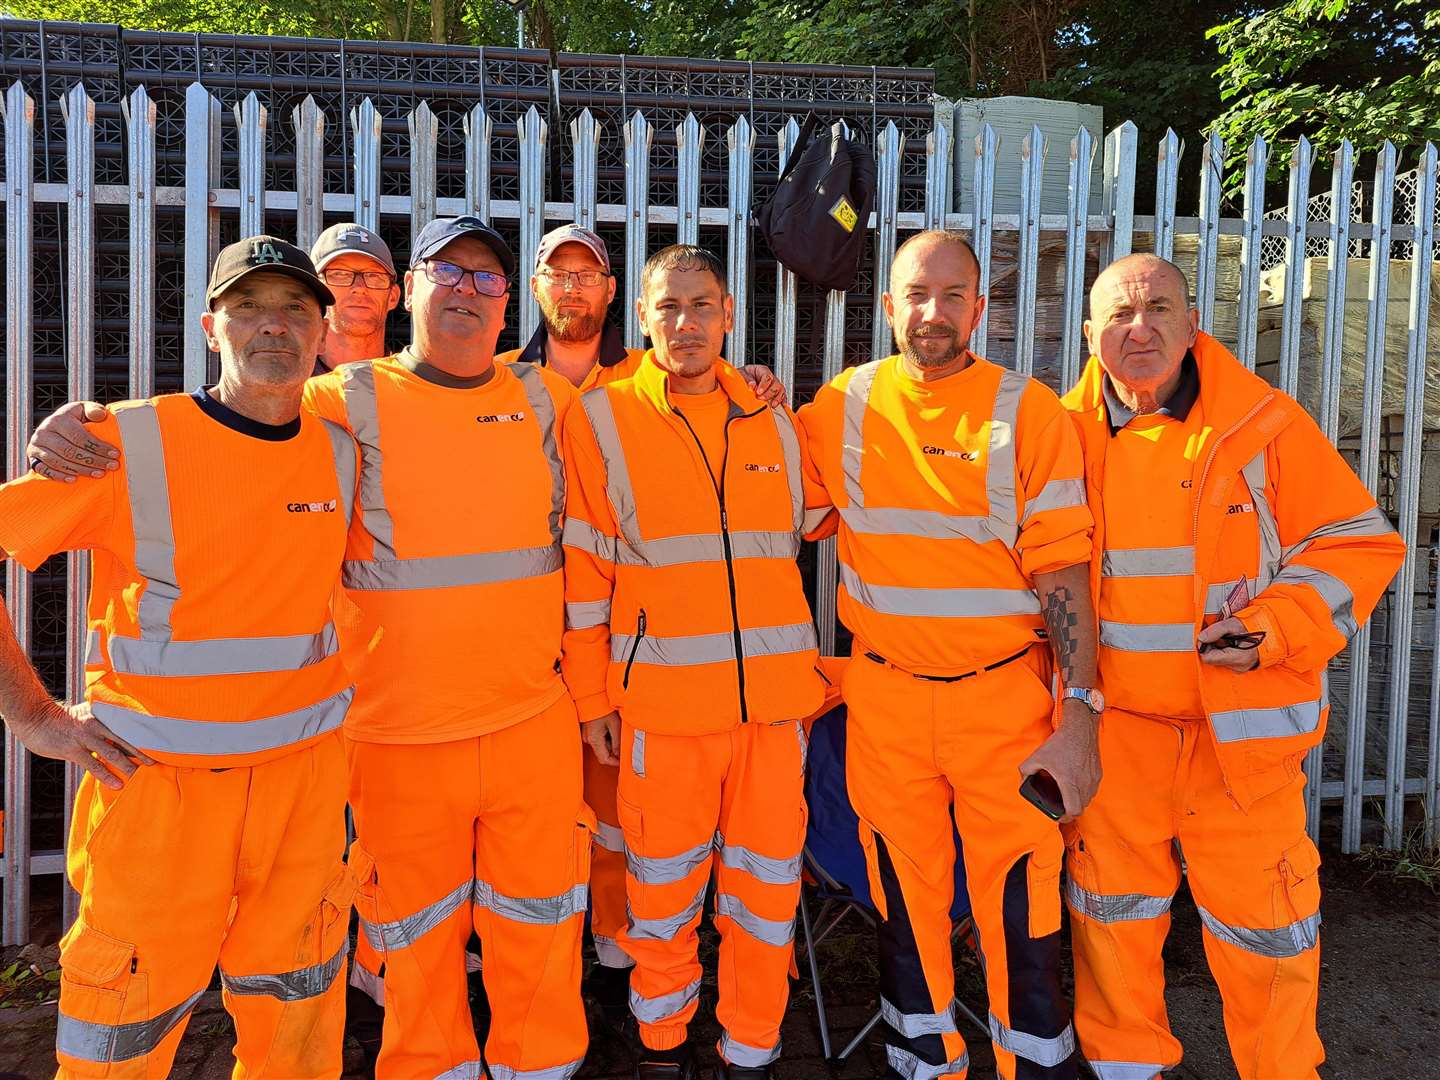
(1061, 622)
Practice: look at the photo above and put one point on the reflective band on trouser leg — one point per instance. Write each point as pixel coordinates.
(747, 1057)
(1125, 1070)
(552, 1072)
(297, 985)
(466, 1070)
(911, 1067)
(667, 927)
(89, 1041)
(658, 1009)
(913, 1025)
(214, 738)
(780, 932)
(401, 933)
(540, 910)
(1278, 943)
(607, 864)
(1047, 1052)
(1126, 907)
(663, 870)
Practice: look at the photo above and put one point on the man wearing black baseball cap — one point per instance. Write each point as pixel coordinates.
(210, 733)
(358, 267)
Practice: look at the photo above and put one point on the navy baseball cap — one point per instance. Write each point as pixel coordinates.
(441, 231)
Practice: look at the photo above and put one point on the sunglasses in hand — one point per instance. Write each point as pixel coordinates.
(1234, 641)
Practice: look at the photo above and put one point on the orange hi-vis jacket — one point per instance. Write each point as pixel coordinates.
(214, 558)
(1283, 535)
(684, 604)
(454, 596)
(614, 363)
(952, 495)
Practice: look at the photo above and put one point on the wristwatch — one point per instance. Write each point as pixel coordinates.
(1094, 700)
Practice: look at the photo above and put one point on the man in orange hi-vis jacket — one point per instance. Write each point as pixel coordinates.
(1235, 554)
(685, 612)
(964, 542)
(213, 662)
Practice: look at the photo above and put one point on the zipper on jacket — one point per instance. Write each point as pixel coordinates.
(634, 648)
(719, 486)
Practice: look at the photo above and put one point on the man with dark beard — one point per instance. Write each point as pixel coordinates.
(574, 286)
(964, 542)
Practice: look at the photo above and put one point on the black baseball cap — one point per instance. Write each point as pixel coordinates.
(257, 253)
(441, 231)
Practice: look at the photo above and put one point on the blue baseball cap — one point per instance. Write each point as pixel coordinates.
(441, 231)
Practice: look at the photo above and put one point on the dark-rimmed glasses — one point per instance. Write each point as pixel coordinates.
(343, 279)
(579, 278)
(1235, 641)
(440, 272)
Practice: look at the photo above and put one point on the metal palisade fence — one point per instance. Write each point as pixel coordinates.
(1329, 298)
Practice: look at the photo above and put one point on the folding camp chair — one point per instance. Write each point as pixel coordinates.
(835, 862)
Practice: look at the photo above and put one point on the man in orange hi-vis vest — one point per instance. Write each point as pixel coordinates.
(685, 612)
(964, 543)
(1235, 554)
(213, 662)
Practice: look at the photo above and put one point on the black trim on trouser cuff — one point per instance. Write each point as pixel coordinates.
(1037, 1004)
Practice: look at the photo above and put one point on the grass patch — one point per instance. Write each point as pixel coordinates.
(1412, 862)
(23, 984)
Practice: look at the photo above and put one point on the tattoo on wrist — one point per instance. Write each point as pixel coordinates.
(1061, 622)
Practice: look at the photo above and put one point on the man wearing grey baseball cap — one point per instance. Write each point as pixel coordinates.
(358, 267)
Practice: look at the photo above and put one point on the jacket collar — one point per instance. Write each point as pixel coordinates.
(612, 346)
(653, 382)
(1118, 414)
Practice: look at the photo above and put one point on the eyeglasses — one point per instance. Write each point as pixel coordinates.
(439, 272)
(579, 278)
(343, 279)
(1235, 641)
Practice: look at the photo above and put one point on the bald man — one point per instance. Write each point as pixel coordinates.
(964, 544)
(1235, 553)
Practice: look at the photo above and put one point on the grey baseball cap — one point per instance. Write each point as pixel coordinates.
(350, 237)
(572, 234)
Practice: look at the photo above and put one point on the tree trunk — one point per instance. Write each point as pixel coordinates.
(438, 28)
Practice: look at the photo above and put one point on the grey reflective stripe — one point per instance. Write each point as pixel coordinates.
(540, 910)
(770, 931)
(297, 985)
(654, 1010)
(148, 486)
(544, 408)
(1278, 944)
(402, 933)
(581, 615)
(938, 603)
(1000, 522)
(804, 744)
(664, 929)
(1372, 522)
(765, 868)
(1270, 553)
(1148, 562)
(1275, 723)
(1056, 495)
(610, 954)
(372, 984)
(1125, 1070)
(912, 1068)
(551, 1072)
(747, 1057)
(707, 547)
(618, 488)
(362, 410)
(1115, 907)
(666, 869)
(637, 755)
(1218, 594)
(583, 536)
(913, 1025)
(1042, 1051)
(342, 447)
(90, 1041)
(94, 655)
(1336, 594)
(466, 1070)
(609, 837)
(212, 737)
(790, 452)
(452, 571)
(682, 651)
(221, 656)
(1148, 637)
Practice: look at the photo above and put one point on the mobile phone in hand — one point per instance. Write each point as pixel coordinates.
(1041, 791)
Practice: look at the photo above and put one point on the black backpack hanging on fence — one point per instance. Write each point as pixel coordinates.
(816, 222)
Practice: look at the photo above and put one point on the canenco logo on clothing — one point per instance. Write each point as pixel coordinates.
(962, 455)
(312, 508)
(751, 466)
(500, 418)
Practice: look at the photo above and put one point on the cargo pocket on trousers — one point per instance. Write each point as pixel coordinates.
(100, 989)
(365, 882)
(1298, 891)
(585, 832)
(1042, 878)
(335, 904)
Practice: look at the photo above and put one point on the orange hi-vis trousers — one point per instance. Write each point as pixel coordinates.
(1253, 877)
(732, 801)
(918, 750)
(184, 868)
(491, 832)
(607, 864)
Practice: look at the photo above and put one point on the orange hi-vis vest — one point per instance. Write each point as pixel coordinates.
(1283, 536)
(684, 603)
(614, 363)
(214, 558)
(952, 495)
(454, 597)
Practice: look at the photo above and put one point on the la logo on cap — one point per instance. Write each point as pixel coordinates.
(264, 252)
